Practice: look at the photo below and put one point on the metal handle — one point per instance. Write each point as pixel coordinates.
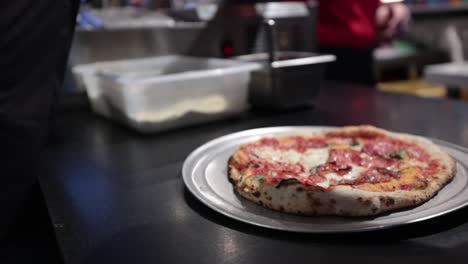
(269, 40)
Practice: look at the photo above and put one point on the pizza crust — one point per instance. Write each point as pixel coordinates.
(343, 200)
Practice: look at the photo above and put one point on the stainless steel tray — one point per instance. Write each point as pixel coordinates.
(292, 80)
(205, 175)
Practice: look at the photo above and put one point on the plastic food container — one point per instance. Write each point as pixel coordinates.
(160, 93)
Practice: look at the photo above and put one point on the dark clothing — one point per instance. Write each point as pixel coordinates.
(34, 43)
(346, 28)
(351, 65)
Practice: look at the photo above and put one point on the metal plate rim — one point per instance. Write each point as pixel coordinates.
(193, 157)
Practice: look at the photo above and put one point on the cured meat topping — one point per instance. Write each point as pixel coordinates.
(334, 159)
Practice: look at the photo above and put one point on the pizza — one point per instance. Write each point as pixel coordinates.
(348, 171)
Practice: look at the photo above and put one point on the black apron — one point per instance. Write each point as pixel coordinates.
(352, 65)
(35, 38)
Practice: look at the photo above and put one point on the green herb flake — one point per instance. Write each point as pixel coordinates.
(401, 154)
(313, 170)
(259, 178)
(354, 143)
(289, 181)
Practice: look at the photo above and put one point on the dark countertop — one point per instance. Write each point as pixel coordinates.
(116, 196)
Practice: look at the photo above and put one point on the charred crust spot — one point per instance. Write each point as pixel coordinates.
(230, 161)
(268, 198)
(299, 189)
(374, 210)
(332, 201)
(316, 202)
(343, 213)
(359, 199)
(367, 202)
(265, 193)
(425, 183)
(260, 202)
(293, 195)
(313, 212)
(382, 199)
(310, 195)
(281, 208)
(256, 194)
(389, 202)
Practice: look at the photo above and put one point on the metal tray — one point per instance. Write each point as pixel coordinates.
(205, 175)
(292, 80)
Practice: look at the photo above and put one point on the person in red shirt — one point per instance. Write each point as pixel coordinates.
(351, 29)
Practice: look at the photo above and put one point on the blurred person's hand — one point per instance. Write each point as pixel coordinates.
(391, 19)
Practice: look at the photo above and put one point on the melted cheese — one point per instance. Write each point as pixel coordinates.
(415, 163)
(309, 159)
(350, 176)
(315, 157)
(358, 147)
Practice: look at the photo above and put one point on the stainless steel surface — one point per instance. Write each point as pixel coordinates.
(130, 33)
(205, 175)
(289, 58)
(104, 45)
(239, 26)
(129, 17)
(199, 12)
(318, 59)
(454, 75)
(430, 30)
(277, 10)
(269, 40)
(292, 80)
